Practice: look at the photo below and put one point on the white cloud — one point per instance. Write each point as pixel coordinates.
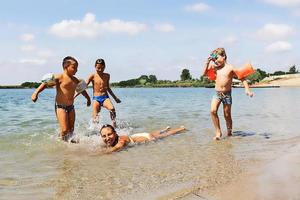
(28, 48)
(284, 3)
(164, 27)
(27, 37)
(199, 7)
(88, 27)
(32, 61)
(275, 31)
(279, 46)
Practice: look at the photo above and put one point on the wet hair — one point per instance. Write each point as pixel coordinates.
(67, 61)
(107, 126)
(100, 61)
(220, 51)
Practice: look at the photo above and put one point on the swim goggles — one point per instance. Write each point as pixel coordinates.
(214, 56)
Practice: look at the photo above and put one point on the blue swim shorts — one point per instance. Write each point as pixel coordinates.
(224, 97)
(101, 99)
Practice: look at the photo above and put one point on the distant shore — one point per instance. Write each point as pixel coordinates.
(281, 81)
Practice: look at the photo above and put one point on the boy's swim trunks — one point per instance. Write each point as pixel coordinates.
(224, 97)
(101, 99)
(66, 108)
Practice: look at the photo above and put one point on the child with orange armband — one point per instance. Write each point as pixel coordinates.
(217, 68)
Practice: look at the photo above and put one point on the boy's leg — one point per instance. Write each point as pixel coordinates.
(158, 134)
(215, 103)
(228, 119)
(109, 106)
(71, 118)
(62, 117)
(96, 110)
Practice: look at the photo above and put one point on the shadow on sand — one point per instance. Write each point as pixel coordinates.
(249, 133)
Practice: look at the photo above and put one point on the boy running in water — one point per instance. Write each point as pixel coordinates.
(224, 75)
(66, 84)
(101, 88)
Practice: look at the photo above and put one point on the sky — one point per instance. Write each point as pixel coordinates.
(143, 37)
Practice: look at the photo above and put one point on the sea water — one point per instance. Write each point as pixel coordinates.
(35, 164)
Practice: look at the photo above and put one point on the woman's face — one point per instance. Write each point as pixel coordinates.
(108, 136)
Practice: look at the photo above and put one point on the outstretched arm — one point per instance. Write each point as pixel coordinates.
(89, 79)
(35, 94)
(247, 89)
(113, 95)
(111, 92)
(88, 99)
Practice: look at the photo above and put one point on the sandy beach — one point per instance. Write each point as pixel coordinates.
(293, 81)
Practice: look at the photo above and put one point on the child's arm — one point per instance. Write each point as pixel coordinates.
(88, 99)
(111, 92)
(89, 79)
(206, 66)
(113, 95)
(35, 94)
(247, 89)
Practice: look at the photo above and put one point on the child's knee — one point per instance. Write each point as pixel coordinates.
(227, 115)
(213, 112)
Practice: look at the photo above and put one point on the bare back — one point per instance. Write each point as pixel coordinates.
(224, 78)
(100, 83)
(65, 89)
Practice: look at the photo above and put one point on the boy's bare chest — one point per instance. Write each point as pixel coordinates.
(68, 84)
(100, 80)
(224, 73)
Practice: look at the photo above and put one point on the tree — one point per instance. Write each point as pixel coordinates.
(30, 85)
(293, 70)
(262, 73)
(185, 75)
(276, 73)
(152, 79)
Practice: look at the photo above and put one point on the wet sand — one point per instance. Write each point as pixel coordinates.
(272, 180)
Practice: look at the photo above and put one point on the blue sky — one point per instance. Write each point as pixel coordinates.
(137, 37)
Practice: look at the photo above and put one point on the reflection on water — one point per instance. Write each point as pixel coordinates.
(34, 162)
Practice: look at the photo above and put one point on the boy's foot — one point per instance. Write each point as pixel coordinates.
(183, 127)
(165, 130)
(229, 132)
(218, 136)
(75, 140)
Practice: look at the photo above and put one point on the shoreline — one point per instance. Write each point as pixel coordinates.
(273, 178)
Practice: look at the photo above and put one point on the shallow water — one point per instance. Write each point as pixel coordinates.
(36, 165)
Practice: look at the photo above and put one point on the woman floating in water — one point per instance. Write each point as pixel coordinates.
(114, 142)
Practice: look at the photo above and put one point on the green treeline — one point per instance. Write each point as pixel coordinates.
(186, 80)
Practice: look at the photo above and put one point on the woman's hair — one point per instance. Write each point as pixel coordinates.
(220, 51)
(100, 61)
(66, 61)
(107, 126)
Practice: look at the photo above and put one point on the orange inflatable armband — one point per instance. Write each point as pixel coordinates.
(211, 74)
(244, 71)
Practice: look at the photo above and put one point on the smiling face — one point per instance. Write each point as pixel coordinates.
(99, 68)
(72, 68)
(220, 61)
(108, 135)
(219, 57)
